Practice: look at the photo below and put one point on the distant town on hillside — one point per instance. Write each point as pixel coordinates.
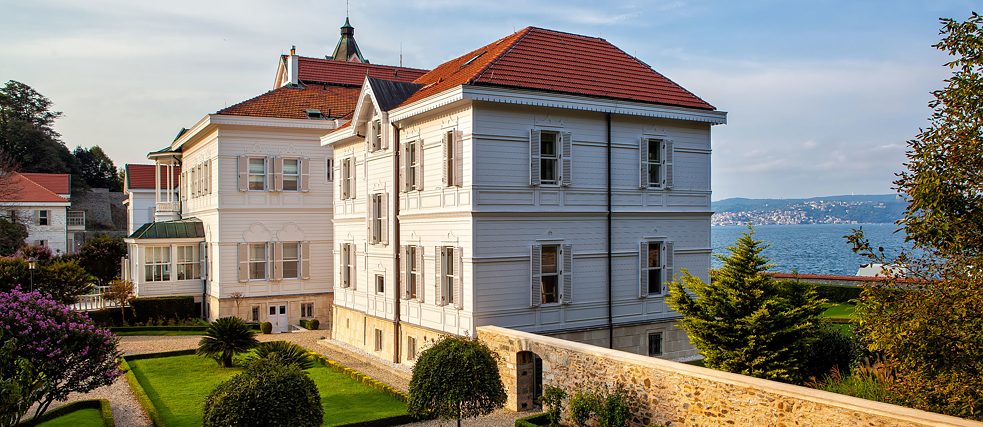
(858, 209)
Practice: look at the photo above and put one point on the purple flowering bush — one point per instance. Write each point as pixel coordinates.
(62, 350)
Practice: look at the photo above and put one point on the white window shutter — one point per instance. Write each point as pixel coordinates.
(370, 220)
(535, 140)
(669, 255)
(459, 278)
(643, 162)
(403, 153)
(305, 260)
(243, 173)
(446, 150)
(384, 139)
(353, 188)
(305, 174)
(203, 260)
(351, 261)
(209, 180)
(404, 272)
(243, 262)
(535, 264)
(668, 164)
(342, 265)
(458, 158)
(419, 276)
(384, 233)
(439, 296)
(342, 194)
(277, 260)
(567, 296)
(419, 165)
(182, 180)
(370, 135)
(277, 181)
(643, 263)
(566, 158)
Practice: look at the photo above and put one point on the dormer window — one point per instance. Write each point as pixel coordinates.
(314, 114)
(375, 135)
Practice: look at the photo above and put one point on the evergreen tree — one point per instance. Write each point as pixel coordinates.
(27, 134)
(745, 322)
(97, 169)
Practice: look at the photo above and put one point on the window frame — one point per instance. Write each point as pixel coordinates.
(376, 132)
(380, 284)
(377, 217)
(346, 265)
(450, 161)
(658, 163)
(151, 264)
(411, 348)
(660, 344)
(307, 310)
(447, 257)
(556, 158)
(254, 263)
(412, 163)
(44, 217)
(294, 177)
(284, 260)
(250, 174)
(254, 313)
(378, 340)
(347, 177)
(658, 246)
(558, 274)
(182, 265)
(413, 271)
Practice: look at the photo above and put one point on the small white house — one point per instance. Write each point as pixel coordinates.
(41, 202)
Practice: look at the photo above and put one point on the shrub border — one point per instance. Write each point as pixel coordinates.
(140, 393)
(361, 377)
(531, 420)
(105, 412)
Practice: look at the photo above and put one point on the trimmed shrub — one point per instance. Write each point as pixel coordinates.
(584, 405)
(285, 353)
(313, 324)
(615, 411)
(832, 349)
(151, 309)
(553, 398)
(266, 327)
(832, 293)
(266, 394)
(456, 378)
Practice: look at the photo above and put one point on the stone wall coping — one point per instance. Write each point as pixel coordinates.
(900, 413)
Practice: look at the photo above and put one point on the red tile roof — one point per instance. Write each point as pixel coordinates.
(293, 102)
(540, 59)
(344, 73)
(141, 177)
(26, 190)
(58, 183)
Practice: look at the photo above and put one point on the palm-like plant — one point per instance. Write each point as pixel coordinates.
(284, 352)
(224, 338)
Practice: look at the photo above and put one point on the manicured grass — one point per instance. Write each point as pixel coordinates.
(841, 312)
(178, 386)
(80, 418)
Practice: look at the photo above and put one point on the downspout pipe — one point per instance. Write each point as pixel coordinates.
(396, 252)
(610, 246)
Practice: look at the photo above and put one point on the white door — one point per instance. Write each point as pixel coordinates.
(278, 317)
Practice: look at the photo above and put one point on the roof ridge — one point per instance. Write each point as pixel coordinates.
(43, 188)
(367, 64)
(477, 76)
(646, 65)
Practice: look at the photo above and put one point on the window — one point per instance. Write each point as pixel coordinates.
(655, 343)
(290, 261)
(654, 160)
(378, 340)
(44, 217)
(448, 276)
(347, 179)
(346, 264)
(255, 313)
(653, 271)
(41, 243)
(376, 218)
(188, 264)
(412, 164)
(257, 173)
(376, 135)
(550, 277)
(452, 162)
(257, 261)
(307, 309)
(411, 348)
(412, 285)
(656, 163)
(157, 264)
(329, 170)
(380, 283)
(549, 158)
(291, 174)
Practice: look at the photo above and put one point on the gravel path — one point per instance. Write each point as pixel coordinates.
(128, 413)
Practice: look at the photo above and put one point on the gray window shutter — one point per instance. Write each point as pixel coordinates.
(270, 173)
(369, 220)
(643, 162)
(419, 165)
(643, 263)
(419, 277)
(459, 279)
(383, 140)
(305, 174)
(384, 233)
(667, 164)
(243, 173)
(567, 158)
(277, 184)
(403, 152)
(351, 260)
(342, 265)
(458, 158)
(203, 260)
(404, 273)
(535, 264)
(370, 135)
(305, 260)
(182, 181)
(37, 217)
(446, 149)
(243, 262)
(535, 139)
(567, 274)
(209, 180)
(342, 195)
(277, 260)
(669, 254)
(439, 296)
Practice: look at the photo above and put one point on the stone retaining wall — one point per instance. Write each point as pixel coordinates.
(678, 394)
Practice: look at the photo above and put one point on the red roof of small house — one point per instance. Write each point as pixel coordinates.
(292, 102)
(554, 61)
(326, 71)
(58, 183)
(141, 177)
(22, 189)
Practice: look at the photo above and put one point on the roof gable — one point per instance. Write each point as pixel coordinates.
(541, 59)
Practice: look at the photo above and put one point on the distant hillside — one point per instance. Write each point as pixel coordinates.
(866, 209)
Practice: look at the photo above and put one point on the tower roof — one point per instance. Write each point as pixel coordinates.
(347, 49)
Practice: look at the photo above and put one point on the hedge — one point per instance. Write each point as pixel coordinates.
(100, 404)
(834, 293)
(109, 316)
(534, 420)
(178, 308)
(360, 377)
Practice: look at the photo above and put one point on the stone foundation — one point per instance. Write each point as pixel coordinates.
(227, 307)
(359, 329)
(678, 394)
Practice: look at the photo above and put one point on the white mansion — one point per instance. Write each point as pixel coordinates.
(547, 182)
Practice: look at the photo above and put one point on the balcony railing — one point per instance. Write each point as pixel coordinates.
(76, 220)
(169, 207)
(93, 300)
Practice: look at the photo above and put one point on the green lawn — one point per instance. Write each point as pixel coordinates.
(79, 418)
(178, 386)
(841, 312)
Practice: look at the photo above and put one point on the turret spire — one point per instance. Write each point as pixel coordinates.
(347, 49)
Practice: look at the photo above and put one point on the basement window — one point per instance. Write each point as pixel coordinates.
(314, 114)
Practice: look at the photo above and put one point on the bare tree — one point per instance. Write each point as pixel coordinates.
(237, 297)
(121, 293)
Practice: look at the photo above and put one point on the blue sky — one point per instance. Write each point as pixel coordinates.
(821, 95)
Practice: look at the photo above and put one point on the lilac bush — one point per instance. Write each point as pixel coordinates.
(66, 351)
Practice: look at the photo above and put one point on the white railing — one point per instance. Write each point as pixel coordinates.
(93, 300)
(169, 207)
(76, 219)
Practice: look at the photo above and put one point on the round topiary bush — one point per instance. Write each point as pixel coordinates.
(314, 325)
(456, 378)
(266, 327)
(267, 393)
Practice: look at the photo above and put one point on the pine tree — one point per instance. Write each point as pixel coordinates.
(745, 322)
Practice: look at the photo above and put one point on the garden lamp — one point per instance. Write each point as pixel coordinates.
(32, 264)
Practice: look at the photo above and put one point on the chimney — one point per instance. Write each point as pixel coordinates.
(293, 49)
(292, 66)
